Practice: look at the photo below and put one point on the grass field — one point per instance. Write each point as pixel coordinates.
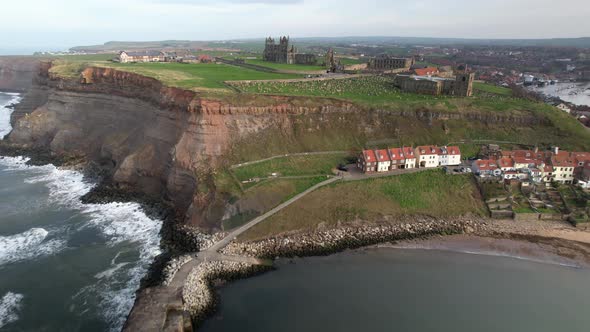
(284, 66)
(189, 76)
(292, 166)
(425, 193)
(490, 88)
(378, 91)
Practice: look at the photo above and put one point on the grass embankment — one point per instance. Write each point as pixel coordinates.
(265, 196)
(255, 198)
(292, 166)
(425, 193)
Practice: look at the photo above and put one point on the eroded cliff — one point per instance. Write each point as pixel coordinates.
(16, 73)
(168, 142)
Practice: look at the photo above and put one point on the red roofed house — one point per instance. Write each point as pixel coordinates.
(486, 167)
(383, 161)
(204, 58)
(428, 71)
(506, 164)
(367, 161)
(426, 156)
(410, 157)
(398, 160)
(449, 156)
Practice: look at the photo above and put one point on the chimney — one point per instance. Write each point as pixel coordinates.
(556, 150)
(536, 149)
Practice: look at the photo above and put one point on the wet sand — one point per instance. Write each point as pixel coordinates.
(547, 242)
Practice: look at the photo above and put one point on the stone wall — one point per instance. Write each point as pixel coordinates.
(350, 237)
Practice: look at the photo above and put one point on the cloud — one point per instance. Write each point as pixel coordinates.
(237, 2)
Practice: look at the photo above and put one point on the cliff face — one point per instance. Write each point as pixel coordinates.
(169, 142)
(16, 73)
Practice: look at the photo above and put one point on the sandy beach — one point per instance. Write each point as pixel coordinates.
(548, 242)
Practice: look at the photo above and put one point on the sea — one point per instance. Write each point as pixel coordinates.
(64, 265)
(576, 93)
(390, 289)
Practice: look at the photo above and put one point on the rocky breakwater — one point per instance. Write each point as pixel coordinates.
(198, 296)
(326, 242)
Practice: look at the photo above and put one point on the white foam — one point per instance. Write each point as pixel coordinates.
(119, 223)
(10, 304)
(27, 245)
(5, 113)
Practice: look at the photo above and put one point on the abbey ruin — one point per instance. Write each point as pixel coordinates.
(285, 53)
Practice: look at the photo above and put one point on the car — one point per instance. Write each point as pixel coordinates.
(456, 170)
(343, 168)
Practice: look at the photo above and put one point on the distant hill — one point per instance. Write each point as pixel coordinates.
(582, 42)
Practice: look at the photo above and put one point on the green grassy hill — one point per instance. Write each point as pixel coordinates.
(431, 193)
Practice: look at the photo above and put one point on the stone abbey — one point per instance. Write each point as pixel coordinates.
(285, 53)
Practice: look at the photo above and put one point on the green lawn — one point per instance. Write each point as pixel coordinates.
(203, 75)
(491, 88)
(425, 193)
(292, 166)
(284, 66)
(189, 76)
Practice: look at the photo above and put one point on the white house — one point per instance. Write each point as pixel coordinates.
(449, 156)
(486, 167)
(410, 157)
(563, 169)
(426, 156)
(564, 108)
(140, 56)
(383, 161)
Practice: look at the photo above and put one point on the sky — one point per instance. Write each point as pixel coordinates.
(60, 24)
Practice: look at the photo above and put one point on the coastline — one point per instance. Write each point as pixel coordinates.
(544, 242)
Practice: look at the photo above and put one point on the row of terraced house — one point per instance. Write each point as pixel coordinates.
(426, 156)
(537, 166)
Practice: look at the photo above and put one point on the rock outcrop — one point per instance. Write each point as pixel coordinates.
(16, 73)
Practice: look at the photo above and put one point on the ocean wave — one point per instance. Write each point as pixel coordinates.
(5, 113)
(27, 245)
(10, 304)
(118, 223)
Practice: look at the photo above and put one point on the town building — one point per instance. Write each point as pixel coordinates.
(486, 167)
(398, 159)
(426, 156)
(410, 157)
(506, 164)
(383, 161)
(428, 71)
(140, 56)
(461, 85)
(564, 108)
(367, 161)
(285, 53)
(386, 62)
(449, 156)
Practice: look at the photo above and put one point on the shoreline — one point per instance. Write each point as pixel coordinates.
(507, 238)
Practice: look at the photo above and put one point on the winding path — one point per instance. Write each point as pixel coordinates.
(159, 308)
